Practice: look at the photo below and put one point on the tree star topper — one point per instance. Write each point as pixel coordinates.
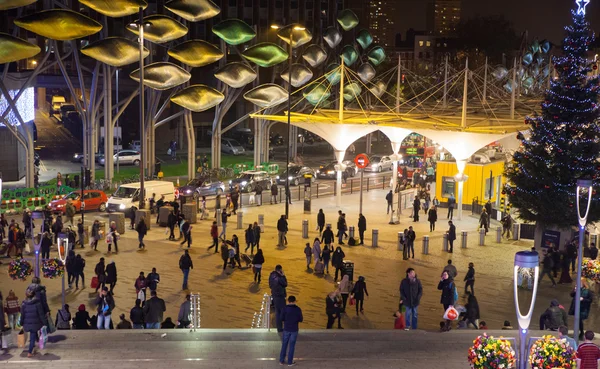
(582, 4)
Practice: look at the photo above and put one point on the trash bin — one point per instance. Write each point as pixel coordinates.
(157, 169)
(349, 269)
(261, 222)
(351, 231)
(305, 228)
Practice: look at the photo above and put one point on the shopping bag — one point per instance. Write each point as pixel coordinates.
(169, 151)
(352, 301)
(43, 337)
(27, 248)
(6, 338)
(109, 239)
(141, 295)
(94, 283)
(21, 339)
(451, 314)
(51, 327)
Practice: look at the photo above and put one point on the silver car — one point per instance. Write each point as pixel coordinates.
(199, 187)
(379, 164)
(125, 157)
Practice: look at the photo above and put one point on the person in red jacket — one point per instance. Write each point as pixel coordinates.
(214, 233)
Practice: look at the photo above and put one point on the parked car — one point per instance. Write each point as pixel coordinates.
(202, 186)
(125, 157)
(231, 146)
(128, 195)
(248, 180)
(78, 157)
(93, 200)
(296, 175)
(328, 171)
(246, 139)
(135, 145)
(379, 164)
(66, 109)
(57, 102)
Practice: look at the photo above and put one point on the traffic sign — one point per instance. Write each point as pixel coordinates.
(361, 161)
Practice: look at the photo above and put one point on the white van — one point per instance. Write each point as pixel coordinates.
(129, 194)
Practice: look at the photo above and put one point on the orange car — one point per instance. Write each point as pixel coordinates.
(93, 199)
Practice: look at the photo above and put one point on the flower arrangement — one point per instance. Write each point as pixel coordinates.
(551, 352)
(590, 269)
(53, 268)
(491, 353)
(20, 269)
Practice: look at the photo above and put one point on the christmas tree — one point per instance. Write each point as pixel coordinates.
(565, 140)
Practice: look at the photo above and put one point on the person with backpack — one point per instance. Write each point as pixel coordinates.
(448, 297)
(63, 318)
(362, 227)
(185, 264)
(278, 284)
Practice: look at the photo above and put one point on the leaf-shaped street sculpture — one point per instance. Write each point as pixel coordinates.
(545, 46)
(535, 46)
(364, 39)
(314, 55)
(198, 98)
(527, 58)
(10, 4)
(59, 24)
(265, 54)
(347, 19)
(162, 29)
(366, 72)
(376, 55)
(196, 53)
(378, 88)
(162, 75)
(115, 8)
(332, 37)
(114, 51)
(298, 35)
(300, 75)
(234, 31)
(350, 55)
(333, 73)
(193, 10)
(316, 93)
(352, 91)
(266, 95)
(13, 49)
(236, 74)
(500, 72)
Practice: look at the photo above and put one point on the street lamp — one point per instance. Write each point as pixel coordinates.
(63, 250)
(289, 120)
(140, 24)
(526, 263)
(583, 186)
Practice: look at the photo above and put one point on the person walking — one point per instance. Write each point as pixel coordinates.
(362, 227)
(95, 234)
(337, 261)
(203, 212)
(426, 204)
(291, 314)
(224, 255)
(320, 221)
(78, 271)
(326, 256)
(432, 218)
(470, 279)
(327, 237)
(548, 264)
(282, 228)
(185, 264)
(472, 315)
(45, 245)
(214, 233)
(451, 204)
(186, 230)
(69, 211)
(153, 280)
(451, 236)
(153, 311)
(345, 288)
(105, 303)
(390, 201)
(587, 297)
(136, 315)
(100, 272)
(113, 237)
(184, 318)
(446, 285)
(159, 204)
(588, 353)
(278, 284)
(141, 229)
(12, 308)
(258, 194)
(80, 233)
(132, 212)
(224, 217)
(308, 254)
(33, 318)
(111, 276)
(235, 196)
(249, 236)
(359, 292)
(410, 243)
(484, 220)
(507, 224)
(411, 292)
(256, 229)
(565, 277)
(257, 263)
(171, 223)
(316, 250)
(274, 192)
(333, 310)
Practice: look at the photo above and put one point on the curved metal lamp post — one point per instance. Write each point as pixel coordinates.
(584, 186)
(528, 260)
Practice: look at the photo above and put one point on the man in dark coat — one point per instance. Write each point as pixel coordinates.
(390, 201)
(171, 222)
(362, 227)
(100, 274)
(411, 291)
(111, 276)
(153, 311)
(416, 208)
(186, 229)
(432, 218)
(185, 264)
(282, 228)
(33, 318)
(410, 243)
(278, 284)
(274, 193)
(451, 236)
(106, 304)
(337, 261)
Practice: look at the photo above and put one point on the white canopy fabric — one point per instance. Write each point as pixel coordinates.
(395, 134)
(340, 136)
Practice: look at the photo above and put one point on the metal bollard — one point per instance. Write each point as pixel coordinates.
(400, 241)
(425, 245)
(219, 223)
(463, 241)
(261, 222)
(240, 220)
(445, 242)
(516, 231)
(375, 237)
(351, 232)
(499, 234)
(481, 236)
(305, 228)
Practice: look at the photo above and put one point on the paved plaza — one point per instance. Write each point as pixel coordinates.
(229, 300)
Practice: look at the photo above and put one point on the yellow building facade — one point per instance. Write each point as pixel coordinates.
(482, 178)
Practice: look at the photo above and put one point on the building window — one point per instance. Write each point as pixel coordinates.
(421, 43)
(279, 4)
(428, 43)
(420, 55)
(264, 3)
(232, 2)
(309, 5)
(294, 4)
(248, 3)
(448, 187)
